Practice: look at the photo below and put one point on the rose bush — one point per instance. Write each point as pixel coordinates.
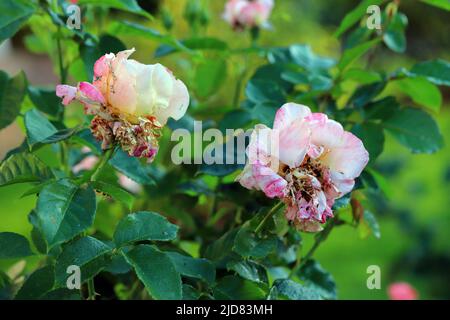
(109, 198)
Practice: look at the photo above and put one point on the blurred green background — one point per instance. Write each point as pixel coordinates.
(414, 220)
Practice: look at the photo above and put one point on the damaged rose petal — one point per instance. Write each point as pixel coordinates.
(130, 101)
(317, 163)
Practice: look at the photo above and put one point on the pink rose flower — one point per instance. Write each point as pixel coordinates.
(314, 162)
(131, 101)
(402, 291)
(248, 13)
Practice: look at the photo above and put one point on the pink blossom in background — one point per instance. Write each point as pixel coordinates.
(129, 184)
(316, 163)
(241, 14)
(131, 102)
(402, 291)
(86, 164)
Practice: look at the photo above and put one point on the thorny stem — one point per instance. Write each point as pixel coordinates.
(91, 289)
(322, 236)
(104, 159)
(272, 211)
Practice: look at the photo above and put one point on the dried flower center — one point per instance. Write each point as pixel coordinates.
(305, 183)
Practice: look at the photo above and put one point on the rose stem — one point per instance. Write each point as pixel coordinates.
(268, 216)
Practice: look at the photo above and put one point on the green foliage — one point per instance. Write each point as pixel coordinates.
(39, 128)
(13, 245)
(285, 289)
(236, 288)
(157, 271)
(394, 37)
(209, 76)
(195, 233)
(116, 192)
(355, 15)
(318, 279)
(12, 92)
(191, 267)
(13, 14)
(421, 92)
(23, 167)
(415, 129)
(45, 100)
(89, 254)
(37, 284)
(64, 210)
(435, 71)
(131, 167)
(126, 5)
(144, 226)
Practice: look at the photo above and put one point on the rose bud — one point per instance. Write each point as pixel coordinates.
(241, 14)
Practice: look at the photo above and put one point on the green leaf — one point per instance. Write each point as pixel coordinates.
(118, 265)
(415, 129)
(248, 244)
(364, 94)
(265, 112)
(196, 43)
(89, 254)
(224, 169)
(361, 76)
(133, 29)
(236, 288)
(23, 167)
(60, 135)
(125, 5)
(443, 4)
(85, 138)
(372, 136)
(381, 109)
(235, 119)
(115, 192)
(157, 271)
(39, 128)
(318, 279)
(259, 91)
(13, 14)
(421, 92)
(6, 287)
(303, 56)
(290, 290)
(37, 284)
(144, 225)
(191, 267)
(65, 210)
(369, 225)
(295, 77)
(190, 293)
(355, 15)
(249, 270)
(210, 75)
(131, 167)
(394, 36)
(45, 100)
(436, 71)
(355, 53)
(222, 247)
(12, 93)
(36, 234)
(13, 245)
